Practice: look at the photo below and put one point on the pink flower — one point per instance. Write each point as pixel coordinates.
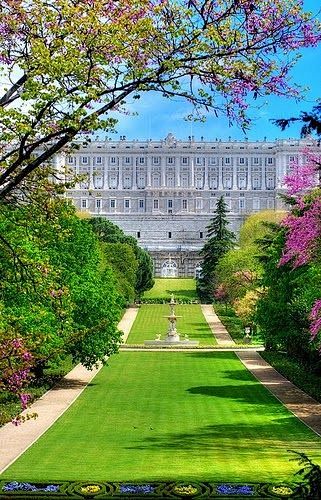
(315, 318)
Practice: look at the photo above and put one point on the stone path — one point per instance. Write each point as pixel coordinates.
(15, 440)
(127, 321)
(219, 331)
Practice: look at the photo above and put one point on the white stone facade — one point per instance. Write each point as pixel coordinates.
(165, 192)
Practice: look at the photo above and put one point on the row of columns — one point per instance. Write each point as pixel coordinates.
(222, 176)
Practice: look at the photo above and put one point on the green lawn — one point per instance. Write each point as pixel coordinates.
(182, 288)
(150, 321)
(170, 416)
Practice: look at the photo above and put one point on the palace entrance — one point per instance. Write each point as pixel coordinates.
(169, 269)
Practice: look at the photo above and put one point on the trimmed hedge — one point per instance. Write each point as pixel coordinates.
(193, 489)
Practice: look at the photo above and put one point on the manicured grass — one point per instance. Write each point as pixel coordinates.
(170, 416)
(150, 321)
(182, 288)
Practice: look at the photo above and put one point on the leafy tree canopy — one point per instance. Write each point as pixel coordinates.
(68, 67)
(108, 232)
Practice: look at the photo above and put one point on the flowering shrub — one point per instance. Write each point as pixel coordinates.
(282, 491)
(90, 489)
(16, 486)
(231, 489)
(185, 490)
(15, 372)
(136, 489)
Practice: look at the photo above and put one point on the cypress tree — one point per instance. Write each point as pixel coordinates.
(219, 241)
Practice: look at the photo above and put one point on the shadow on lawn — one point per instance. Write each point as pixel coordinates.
(71, 384)
(266, 438)
(201, 327)
(246, 394)
(182, 294)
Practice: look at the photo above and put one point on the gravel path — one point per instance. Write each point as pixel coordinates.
(219, 331)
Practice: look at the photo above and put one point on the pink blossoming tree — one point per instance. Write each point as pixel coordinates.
(303, 223)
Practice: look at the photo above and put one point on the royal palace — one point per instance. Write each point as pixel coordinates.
(165, 192)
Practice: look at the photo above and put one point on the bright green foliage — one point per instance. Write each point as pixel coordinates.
(232, 323)
(170, 416)
(255, 228)
(53, 292)
(239, 270)
(219, 241)
(245, 308)
(121, 258)
(182, 288)
(108, 232)
(145, 272)
(282, 311)
(152, 320)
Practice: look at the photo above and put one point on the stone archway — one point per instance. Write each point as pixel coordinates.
(169, 269)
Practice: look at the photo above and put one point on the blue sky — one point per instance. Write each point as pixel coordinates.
(158, 116)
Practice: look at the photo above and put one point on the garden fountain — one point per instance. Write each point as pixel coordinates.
(172, 337)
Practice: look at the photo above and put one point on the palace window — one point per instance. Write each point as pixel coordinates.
(199, 203)
(156, 180)
(113, 203)
(256, 183)
(184, 181)
(98, 181)
(127, 182)
(170, 181)
(256, 203)
(113, 182)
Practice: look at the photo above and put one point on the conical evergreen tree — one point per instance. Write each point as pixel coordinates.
(219, 241)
